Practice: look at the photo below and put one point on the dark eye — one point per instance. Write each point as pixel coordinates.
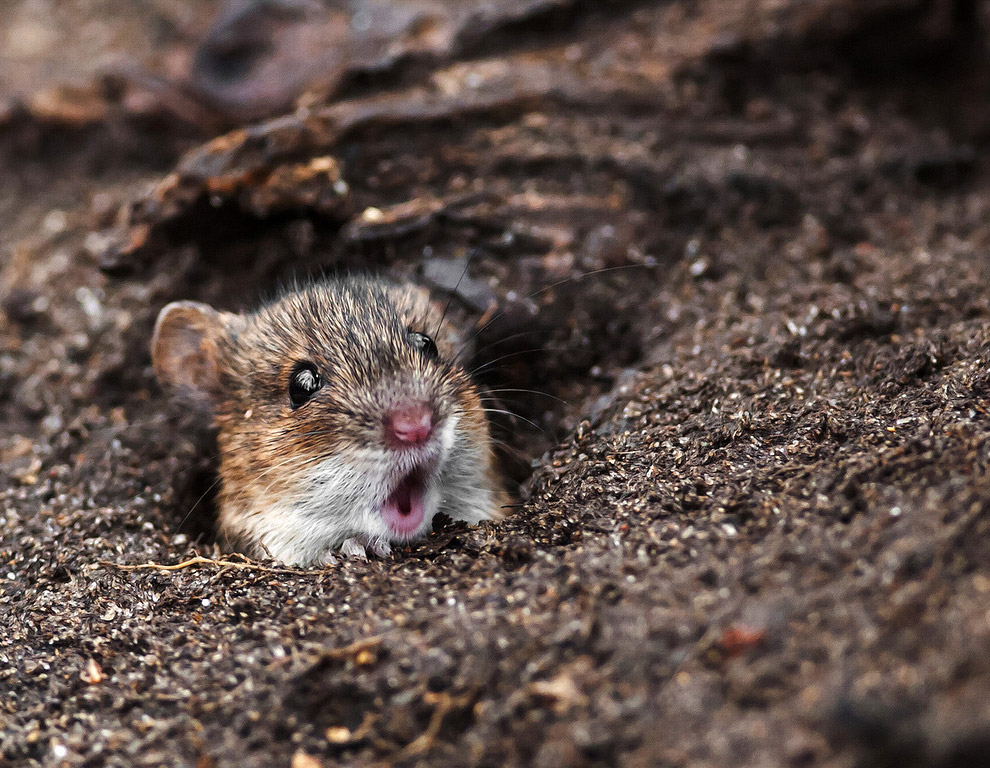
(424, 344)
(303, 384)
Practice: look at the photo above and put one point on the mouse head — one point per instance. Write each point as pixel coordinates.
(340, 417)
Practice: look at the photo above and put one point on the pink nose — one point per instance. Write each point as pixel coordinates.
(410, 424)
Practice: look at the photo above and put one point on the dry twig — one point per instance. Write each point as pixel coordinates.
(444, 704)
(200, 560)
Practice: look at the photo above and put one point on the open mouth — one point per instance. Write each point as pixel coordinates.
(405, 509)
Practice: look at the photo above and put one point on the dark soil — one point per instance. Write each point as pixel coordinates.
(738, 249)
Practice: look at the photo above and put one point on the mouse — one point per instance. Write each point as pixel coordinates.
(345, 418)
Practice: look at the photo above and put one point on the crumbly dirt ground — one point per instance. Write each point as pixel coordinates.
(754, 501)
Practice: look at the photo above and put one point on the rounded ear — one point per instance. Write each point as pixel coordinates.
(185, 348)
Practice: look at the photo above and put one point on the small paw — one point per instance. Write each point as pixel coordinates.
(380, 547)
(360, 546)
(353, 548)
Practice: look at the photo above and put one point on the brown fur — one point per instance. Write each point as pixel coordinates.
(355, 332)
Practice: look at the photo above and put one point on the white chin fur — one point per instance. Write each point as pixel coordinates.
(335, 502)
(338, 501)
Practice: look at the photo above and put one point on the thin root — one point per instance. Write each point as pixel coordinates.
(199, 560)
(444, 704)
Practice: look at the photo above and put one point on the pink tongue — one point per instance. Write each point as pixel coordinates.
(404, 509)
